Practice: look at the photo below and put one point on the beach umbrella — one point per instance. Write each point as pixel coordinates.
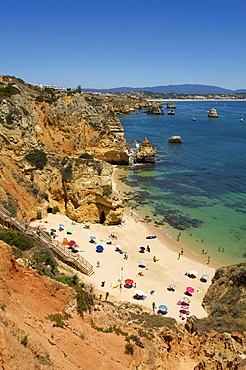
(129, 281)
(142, 248)
(205, 277)
(193, 272)
(61, 225)
(139, 292)
(71, 243)
(183, 311)
(189, 289)
(142, 264)
(172, 285)
(163, 308)
(186, 300)
(53, 230)
(93, 237)
(99, 248)
(185, 307)
(69, 231)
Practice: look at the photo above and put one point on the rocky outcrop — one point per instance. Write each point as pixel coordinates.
(213, 113)
(68, 126)
(171, 113)
(226, 295)
(175, 139)
(145, 153)
(155, 108)
(171, 105)
(76, 138)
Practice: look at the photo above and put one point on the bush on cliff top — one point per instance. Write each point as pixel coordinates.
(37, 158)
(16, 239)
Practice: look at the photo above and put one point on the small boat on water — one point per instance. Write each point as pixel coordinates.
(241, 118)
(194, 118)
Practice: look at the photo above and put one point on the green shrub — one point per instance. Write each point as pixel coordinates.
(220, 324)
(17, 239)
(24, 341)
(40, 98)
(37, 158)
(71, 281)
(21, 81)
(39, 215)
(57, 319)
(84, 301)
(107, 190)
(17, 252)
(55, 210)
(129, 349)
(9, 90)
(67, 172)
(44, 195)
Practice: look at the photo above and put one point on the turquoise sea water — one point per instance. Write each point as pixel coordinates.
(200, 184)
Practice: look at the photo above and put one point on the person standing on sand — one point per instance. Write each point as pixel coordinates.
(208, 260)
(98, 263)
(179, 256)
(153, 306)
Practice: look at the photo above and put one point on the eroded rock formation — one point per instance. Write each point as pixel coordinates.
(64, 128)
(175, 139)
(213, 113)
(145, 153)
(155, 108)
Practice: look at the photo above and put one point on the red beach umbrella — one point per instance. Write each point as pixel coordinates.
(189, 289)
(71, 243)
(129, 281)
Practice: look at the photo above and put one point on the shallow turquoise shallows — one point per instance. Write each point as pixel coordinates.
(201, 183)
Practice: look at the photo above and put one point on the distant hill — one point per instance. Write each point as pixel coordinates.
(178, 89)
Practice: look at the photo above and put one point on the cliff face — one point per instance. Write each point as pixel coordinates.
(31, 338)
(226, 296)
(64, 128)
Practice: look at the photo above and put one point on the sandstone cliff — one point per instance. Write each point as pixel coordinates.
(41, 329)
(64, 128)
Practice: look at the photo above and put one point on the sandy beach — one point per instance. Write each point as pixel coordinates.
(113, 267)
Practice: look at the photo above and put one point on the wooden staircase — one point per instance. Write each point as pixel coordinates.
(76, 261)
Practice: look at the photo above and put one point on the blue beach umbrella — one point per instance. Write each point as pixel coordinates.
(99, 248)
(142, 264)
(93, 237)
(163, 308)
(205, 277)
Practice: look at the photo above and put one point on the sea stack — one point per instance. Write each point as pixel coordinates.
(213, 113)
(146, 153)
(175, 139)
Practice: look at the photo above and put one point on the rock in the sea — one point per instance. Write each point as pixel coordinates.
(171, 112)
(175, 139)
(155, 108)
(146, 153)
(171, 105)
(213, 113)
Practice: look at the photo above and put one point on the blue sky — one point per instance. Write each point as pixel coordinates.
(114, 43)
